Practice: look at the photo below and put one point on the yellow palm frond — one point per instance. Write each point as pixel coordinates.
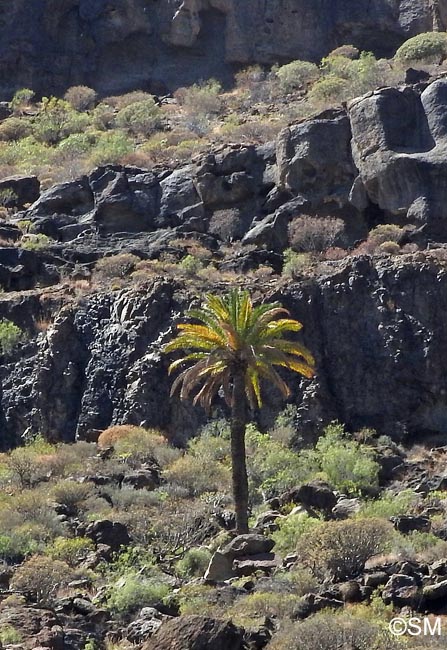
(229, 335)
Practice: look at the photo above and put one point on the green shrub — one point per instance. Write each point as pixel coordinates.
(14, 546)
(291, 529)
(111, 148)
(273, 467)
(9, 634)
(71, 551)
(81, 98)
(144, 445)
(419, 543)
(296, 264)
(132, 592)
(390, 505)
(210, 448)
(10, 336)
(341, 548)
(121, 101)
(198, 599)
(430, 47)
(35, 242)
(191, 265)
(22, 98)
(189, 473)
(103, 116)
(71, 494)
(297, 74)
(14, 128)
(29, 464)
(194, 563)
(42, 577)
(7, 197)
(348, 465)
(141, 118)
(330, 90)
(76, 144)
(387, 233)
(201, 98)
(27, 154)
(57, 120)
(254, 608)
(327, 631)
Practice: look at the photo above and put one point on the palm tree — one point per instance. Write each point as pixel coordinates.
(232, 346)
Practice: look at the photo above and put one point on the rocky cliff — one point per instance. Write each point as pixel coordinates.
(49, 45)
(375, 324)
(377, 330)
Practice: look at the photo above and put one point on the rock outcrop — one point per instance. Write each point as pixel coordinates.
(375, 326)
(400, 146)
(196, 633)
(49, 45)
(377, 330)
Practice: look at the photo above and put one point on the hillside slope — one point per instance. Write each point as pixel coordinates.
(49, 45)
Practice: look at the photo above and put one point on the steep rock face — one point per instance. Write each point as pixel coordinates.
(377, 332)
(49, 45)
(400, 147)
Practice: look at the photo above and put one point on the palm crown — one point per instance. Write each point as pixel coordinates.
(232, 336)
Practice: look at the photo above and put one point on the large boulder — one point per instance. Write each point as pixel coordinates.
(249, 544)
(196, 633)
(18, 191)
(400, 149)
(242, 556)
(111, 533)
(315, 160)
(126, 199)
(73, 198)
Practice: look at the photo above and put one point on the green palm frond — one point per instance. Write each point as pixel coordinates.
(229, 334)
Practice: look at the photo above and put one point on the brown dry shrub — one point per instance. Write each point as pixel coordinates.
(348, 51)
(81, 98)
(226, 224)
(340, 549)
(314, 234)
(116, 266)
(384, 233)
(334, 254)
(14, 128)
(389, 247)
(42, 577)
(111, 435)
(326, 631)
(121, 101)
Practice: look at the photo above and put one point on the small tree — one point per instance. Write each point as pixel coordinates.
(10, 336)
(232, 347)
(42, 577)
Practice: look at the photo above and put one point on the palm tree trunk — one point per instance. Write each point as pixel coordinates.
(238, 455)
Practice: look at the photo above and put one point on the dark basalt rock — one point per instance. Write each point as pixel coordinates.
(399, 145)
(19, 191)
(110, 533)
(49, 45)
(376, 329)
(408, 523)
(196, 633)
